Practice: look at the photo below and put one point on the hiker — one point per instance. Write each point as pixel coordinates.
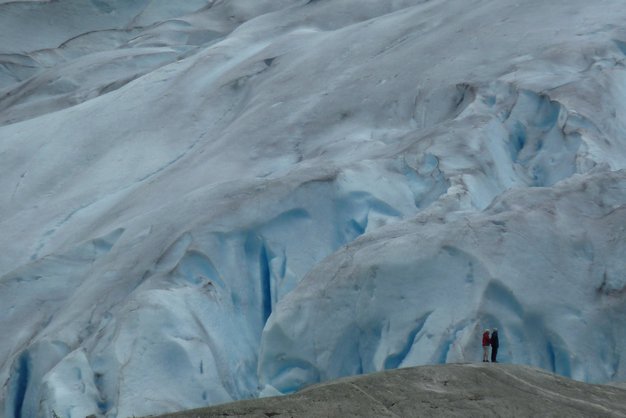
(495, 343)
(486, 342)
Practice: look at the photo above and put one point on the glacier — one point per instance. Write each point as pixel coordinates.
(213, 200)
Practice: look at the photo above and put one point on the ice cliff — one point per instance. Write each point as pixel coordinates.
(205, 201)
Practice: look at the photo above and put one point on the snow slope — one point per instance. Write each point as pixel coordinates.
(213, 200)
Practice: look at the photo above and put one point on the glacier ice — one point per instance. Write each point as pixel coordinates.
(517, 265)
(218, 200)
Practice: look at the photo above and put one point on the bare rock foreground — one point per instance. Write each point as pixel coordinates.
(452, 390)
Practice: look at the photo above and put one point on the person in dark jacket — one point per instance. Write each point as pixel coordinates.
(495, 343)
(486, 342)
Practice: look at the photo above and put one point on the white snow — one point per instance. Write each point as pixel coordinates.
(213, 200)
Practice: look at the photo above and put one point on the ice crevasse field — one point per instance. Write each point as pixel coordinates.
(212, 200)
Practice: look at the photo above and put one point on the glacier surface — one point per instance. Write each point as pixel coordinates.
(213, 200)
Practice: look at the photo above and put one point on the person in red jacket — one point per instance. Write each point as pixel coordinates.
(486, 343)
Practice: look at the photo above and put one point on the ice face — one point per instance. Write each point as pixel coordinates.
(220, 200)
(421, 292)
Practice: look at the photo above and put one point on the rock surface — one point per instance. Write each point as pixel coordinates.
(453, 390)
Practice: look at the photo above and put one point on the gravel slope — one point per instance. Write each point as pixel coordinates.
(452, 390)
